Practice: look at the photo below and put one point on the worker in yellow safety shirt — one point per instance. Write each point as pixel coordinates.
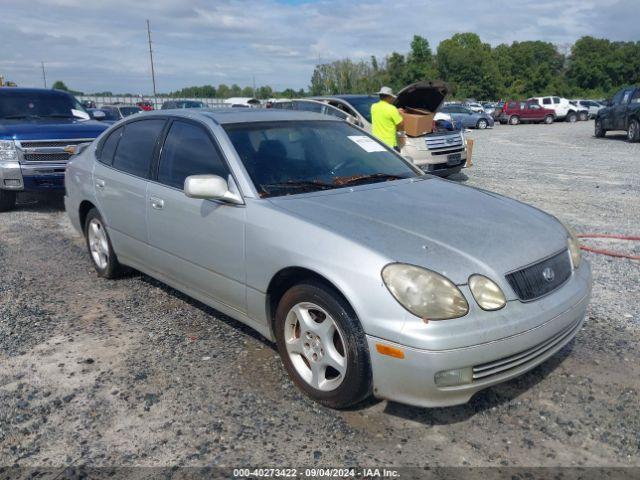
(386, 119)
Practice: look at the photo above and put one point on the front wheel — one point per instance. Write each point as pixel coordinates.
(633, 132)
(322, 345)
(7, 200)
(482, 124)
(548, 119)
(571, 117)
(514, 120)
(99, 245)
(599, 129)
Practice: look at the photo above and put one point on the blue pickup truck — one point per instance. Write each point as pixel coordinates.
(39, 130)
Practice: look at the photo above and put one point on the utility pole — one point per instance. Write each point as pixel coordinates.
(254, 86)
(153, 73)
(44, 75)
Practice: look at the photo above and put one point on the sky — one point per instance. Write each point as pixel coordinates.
(101, 45)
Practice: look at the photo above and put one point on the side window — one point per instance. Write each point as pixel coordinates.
(109, 146)
(556, 100)
(136, 146)
(513, 105)
(625, 98)
(188, 150)
(546, 101)
(635, 98)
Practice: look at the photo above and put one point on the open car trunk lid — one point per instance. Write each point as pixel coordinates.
(426, 95)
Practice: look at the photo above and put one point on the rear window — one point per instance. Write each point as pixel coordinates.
(546, 101)
(109, 146)
(135, 150)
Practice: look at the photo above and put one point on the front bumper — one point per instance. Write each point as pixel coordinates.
(32, 178)
(411, 380)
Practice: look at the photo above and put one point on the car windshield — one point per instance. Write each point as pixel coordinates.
(110, 114)
(363, 105)
(16, 105)
(285, 158)
(126, 111)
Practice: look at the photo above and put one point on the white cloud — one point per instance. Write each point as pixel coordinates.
(101, 45)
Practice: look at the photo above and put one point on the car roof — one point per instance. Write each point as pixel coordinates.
(241, 115)
(345, 96)
(33, 90)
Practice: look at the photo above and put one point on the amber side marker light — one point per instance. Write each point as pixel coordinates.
(391, 351)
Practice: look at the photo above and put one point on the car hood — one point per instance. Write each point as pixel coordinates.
(449, 228)
(422, 95)
(50, 129)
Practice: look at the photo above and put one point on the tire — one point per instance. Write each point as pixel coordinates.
(307, 345)
(482, 124)
(584, 116)
(99, 246)
(514, 120)
(571, 117)
(633, 131)
(548, 120)
(599, 130)
(7, 200)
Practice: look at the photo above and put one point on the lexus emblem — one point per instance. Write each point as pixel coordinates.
(548, 274)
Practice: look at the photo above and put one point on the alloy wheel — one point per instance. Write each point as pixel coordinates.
(315, 346)
(631, 132)
(98, 244)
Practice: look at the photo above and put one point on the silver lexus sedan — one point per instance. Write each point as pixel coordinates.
(371, 277)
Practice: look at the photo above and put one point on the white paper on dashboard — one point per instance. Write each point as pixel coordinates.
(367, 144)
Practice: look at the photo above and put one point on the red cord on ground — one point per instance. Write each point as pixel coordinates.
(609, 252)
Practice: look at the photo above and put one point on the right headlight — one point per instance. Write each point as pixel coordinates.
(8, 152)
(486, 292)
(574, 245)
(424, 293)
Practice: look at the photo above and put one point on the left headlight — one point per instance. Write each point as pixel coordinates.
(8, 152)
(486, 292)
(574, 245)
(424, 293)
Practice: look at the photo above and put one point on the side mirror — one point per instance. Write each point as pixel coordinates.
(98, 115)
(210, 187)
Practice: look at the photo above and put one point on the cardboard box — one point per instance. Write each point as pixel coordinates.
(417, 122)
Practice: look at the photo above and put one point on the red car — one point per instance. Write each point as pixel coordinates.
(145, 105)
(515, 112)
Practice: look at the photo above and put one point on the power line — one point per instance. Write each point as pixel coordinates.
(153, 73)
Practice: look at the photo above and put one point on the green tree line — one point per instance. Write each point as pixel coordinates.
(594, 68)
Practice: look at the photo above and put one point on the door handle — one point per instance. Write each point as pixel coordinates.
(100, 183)
(156, 203)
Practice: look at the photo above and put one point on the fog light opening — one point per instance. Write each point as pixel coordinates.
(455, 377)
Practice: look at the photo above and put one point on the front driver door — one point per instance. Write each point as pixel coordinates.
(197, 244)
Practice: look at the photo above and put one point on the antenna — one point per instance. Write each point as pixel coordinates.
(44, 75)
(153, 73)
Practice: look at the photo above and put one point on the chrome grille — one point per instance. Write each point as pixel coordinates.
(541, 278)
(46, 157)
(437, 142)
(503, 365)
(39, 151)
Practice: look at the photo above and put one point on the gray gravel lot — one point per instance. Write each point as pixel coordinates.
(131, 372)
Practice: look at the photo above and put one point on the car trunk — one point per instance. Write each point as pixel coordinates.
(421, 99)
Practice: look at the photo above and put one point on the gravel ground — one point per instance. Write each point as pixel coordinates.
(131, 372)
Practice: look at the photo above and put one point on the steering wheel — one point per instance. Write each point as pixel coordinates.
(351, 161)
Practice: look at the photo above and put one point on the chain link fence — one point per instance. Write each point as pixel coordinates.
(156, 101)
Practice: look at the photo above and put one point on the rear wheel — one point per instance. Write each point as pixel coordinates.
(7, 200)
(322, 345)
(548, 119)
(584, 116)
(633, 132)
(514, 120)
(571, 117)
(599, 129)
(99, 246)
(482, 124)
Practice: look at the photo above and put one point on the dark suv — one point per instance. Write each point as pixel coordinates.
(622, 114)
(39, 130)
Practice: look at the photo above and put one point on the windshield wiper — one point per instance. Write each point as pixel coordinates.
(365, 178)
(58, 115)
(298, 184)
(17, 117)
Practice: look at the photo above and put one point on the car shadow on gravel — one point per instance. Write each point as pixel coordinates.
(458, 177)
(212, 312)
(484, 400)
(42, 202)
(614, 136)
